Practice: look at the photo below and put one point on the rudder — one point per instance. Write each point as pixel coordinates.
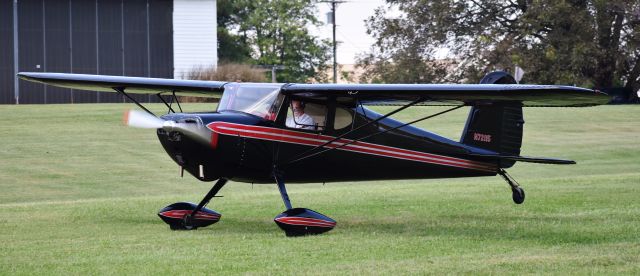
(496, 126)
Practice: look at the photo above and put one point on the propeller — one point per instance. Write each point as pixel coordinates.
(140, 119)
(192, 127)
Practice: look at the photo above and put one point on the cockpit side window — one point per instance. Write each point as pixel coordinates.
(262, 100)
(303, 115)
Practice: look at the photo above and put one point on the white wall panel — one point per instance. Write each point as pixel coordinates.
(194, 35)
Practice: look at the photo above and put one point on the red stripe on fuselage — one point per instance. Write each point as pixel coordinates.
(309, 139)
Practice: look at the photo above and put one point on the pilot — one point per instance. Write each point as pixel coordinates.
(302, 120)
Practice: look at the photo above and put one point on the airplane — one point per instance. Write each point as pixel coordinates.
(268, 133)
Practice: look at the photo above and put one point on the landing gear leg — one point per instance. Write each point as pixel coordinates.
(188, 216)
(188, 220)
(300, 221)
(283, 193)
(517, 191)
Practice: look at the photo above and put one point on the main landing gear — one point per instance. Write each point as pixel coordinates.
(300, 221)
(517, 191)
(188, 216)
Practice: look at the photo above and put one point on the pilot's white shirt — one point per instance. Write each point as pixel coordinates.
(303, 121)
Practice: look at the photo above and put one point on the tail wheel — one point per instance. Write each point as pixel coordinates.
(517, 192)
(518, 195)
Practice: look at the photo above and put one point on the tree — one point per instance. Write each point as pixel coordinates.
(276, 33)
(593, 43)
(232, 48)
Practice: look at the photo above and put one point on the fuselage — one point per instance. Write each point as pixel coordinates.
(249, 148)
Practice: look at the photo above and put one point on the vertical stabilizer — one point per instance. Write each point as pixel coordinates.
(496, 126)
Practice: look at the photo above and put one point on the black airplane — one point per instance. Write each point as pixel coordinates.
(304, 133)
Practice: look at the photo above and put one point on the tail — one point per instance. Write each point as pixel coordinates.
(496, 126)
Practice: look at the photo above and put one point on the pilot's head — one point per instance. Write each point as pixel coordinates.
(298, 107)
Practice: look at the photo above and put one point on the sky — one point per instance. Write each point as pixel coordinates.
(351, 32)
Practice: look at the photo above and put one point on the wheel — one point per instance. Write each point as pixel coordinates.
(176, 227)
(518, 195)
(187, 223)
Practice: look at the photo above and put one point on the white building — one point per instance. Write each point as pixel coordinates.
(195, 42)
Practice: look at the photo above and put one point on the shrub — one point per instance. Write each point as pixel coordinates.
(231, 72)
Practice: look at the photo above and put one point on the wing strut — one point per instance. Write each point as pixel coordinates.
(170, 104)
(177, 101)
(120, 90)
(167, 104)
(374, 134)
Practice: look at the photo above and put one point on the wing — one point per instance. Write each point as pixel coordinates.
(209, 89)
(453, 94)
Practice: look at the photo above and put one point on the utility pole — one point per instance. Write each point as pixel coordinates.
(273, 72)
(16, 85)
(335, 55)
(273, 68)
(334, 3)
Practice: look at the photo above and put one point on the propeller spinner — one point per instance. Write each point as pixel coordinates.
(189, 125)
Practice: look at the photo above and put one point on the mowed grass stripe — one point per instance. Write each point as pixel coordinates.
(80, 193)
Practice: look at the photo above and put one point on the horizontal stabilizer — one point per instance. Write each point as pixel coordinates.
(542, 160)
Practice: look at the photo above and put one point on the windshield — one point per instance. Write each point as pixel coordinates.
(260, 99)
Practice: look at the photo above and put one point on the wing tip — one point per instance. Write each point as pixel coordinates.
(25, 75)
(32, 76)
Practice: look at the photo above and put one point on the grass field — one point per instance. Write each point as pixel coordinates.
(80, 192)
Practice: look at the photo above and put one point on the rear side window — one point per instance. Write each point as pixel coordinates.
(344, 118)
